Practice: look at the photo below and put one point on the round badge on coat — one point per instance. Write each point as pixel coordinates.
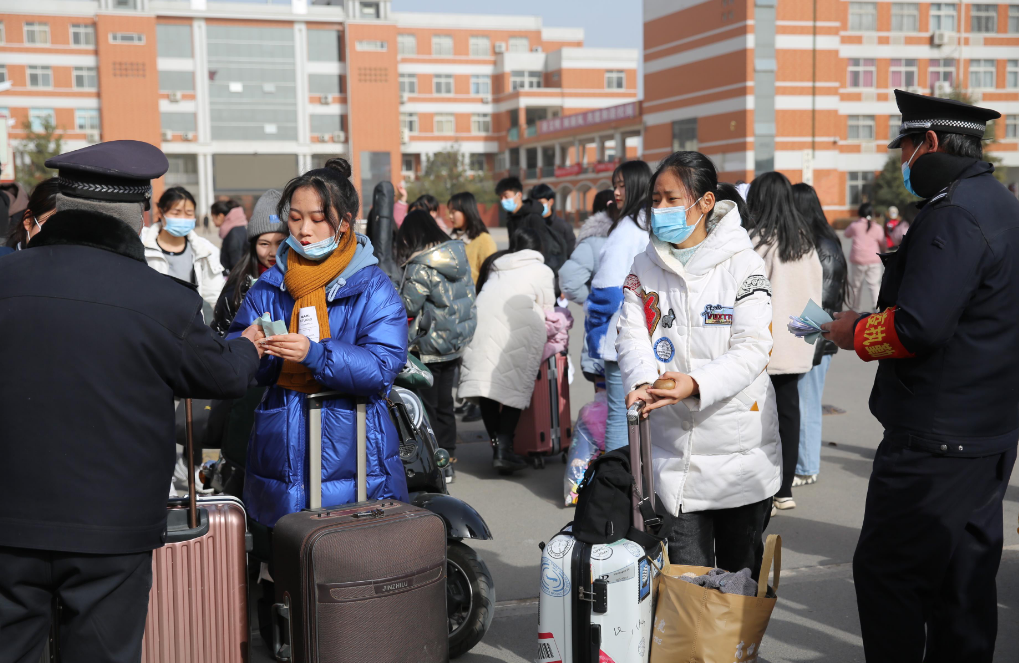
(664, 349)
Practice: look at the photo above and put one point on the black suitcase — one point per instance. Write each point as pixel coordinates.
(360, 582)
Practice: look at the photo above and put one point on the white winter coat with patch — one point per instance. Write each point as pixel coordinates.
(709, 319)
(502, 359)
(208, 270)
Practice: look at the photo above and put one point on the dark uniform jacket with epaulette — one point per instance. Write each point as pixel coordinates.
(947, 334)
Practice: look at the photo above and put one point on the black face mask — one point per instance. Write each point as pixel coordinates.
(932, 172)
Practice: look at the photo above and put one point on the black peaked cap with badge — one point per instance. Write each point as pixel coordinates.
(116, 171)
(921, 114)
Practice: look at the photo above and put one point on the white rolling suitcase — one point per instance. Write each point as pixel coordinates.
(597, 601)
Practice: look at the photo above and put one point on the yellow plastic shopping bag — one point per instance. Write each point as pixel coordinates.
(696, 624)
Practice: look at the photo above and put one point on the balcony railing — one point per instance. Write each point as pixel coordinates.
(548, 171)
(513, 135)
(532, 130)
(531, 174)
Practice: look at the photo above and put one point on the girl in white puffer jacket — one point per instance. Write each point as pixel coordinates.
(697, 309)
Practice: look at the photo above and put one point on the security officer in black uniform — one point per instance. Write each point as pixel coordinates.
(946, 339)
(98, 346)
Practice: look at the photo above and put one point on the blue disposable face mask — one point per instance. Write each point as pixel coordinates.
(905, 171)
(669, 223)
(316, 251)
(509, 204)
(178, 227)
(546, 209)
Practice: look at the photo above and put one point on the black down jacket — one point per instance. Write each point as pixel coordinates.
(833, 293)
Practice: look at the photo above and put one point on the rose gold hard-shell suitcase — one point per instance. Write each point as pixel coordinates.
(545, 427)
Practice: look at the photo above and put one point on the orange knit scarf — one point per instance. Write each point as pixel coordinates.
(306, 281)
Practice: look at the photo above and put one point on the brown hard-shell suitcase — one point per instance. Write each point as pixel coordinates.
(362, 582)
(545, 427)
(198, 601)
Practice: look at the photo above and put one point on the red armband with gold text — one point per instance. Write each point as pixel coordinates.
(876, 338)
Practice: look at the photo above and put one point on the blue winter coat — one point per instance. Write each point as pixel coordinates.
(367, 349)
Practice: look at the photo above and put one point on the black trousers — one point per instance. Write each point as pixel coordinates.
(787, 400)
(730, 539)
(499, 419)
(104, 600)
(928, 555)
(438, 400)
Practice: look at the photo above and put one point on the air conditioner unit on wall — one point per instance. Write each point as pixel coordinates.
(323, 138)
(92, 136)
(942, 88)
(942, 38)
(174, 96)
(500, 47)
(486, 100)
(536, 49)
(339, 136)
(403, 97)
(404, 136)
(167, 135)
(188, 136)
(325, 99)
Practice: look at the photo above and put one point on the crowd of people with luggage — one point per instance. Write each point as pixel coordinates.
(684, 282)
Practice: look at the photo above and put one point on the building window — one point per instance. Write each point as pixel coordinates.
(178, 122)
(1013, 20)
(983, 18)
(902, 73)
(3, 73)
(445, 124)
(83, 35)
(861, 127)
(37, 33)
(371, 45)
(862, 72)
(40, 76)
(406, 45)
(85, 78)
(442, 45)
(407, 164)
(942, 17)
(1012, 126)
(125, 4)
(127, 38)
(176, 81)
(894, 122)
(476, 163)
(615, 80)
(905, 17)
(981, 74)
(481, 123)
(519, 45)
(370, 10)
(942, 71)
(481, 47)
(324, 46)
(323, 84)
(3, 33)
(481, 84)
(858, 187)
(86, 120)
(442, 83)
(39, 117)
(684, 135)
(520, 80)
(325, 124)
(409, 122)
(173, 41)
(1012, 74)
(408, 83)
(862, 16)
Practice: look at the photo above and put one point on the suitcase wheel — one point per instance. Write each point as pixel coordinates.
(538, 462)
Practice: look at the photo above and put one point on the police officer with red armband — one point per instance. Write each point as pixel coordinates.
(946, 339)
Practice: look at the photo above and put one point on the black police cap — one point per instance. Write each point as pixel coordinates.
(116, 171)
(921, 114)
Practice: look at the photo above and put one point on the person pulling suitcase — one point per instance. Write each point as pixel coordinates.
(108, 343)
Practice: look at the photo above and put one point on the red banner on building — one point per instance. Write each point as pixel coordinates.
(568, 171)
(589, 118)
(605, 166)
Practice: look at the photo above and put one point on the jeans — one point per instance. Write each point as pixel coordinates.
(616, 435)
(811, 388)
(787, 400)
(438, 402)
(729, 539)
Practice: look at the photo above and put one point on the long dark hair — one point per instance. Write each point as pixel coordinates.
(223, 206)
(466, 204)
(774, 219)
(809, 206)
(865, 211)
(636, 178)
(426, 202)
(726, 191)
(42, 201)
(332, 184)
(172, 196)
(417, 232)
(693, 169)
(242, 274)
(602, 202)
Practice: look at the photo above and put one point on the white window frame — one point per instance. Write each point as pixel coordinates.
(131, 38)
(408, 83)
(481, 46)
(908, 15)
(615, 79)
(409, 121)
(908, 71)
(518, 80)
(863, 126)
(1012, 126)
(481, 85)
(857, 180)
(513, 45)
(375, 14)
(982, 74)
(535, 80)
(862, 16)
(443, 119)
(34, 115)
(983, 19)
(894, 122)
(39, 70)
(481, 123)
(1013, 19)
(3, 73)
(940, 12)
(3, 33)
(443, 84)
(86, 114)
(406, 44)
(940, 69)
(34, 27)
(407, 160)
(474, 157)
(87, 34)
(860, 68)
(85, 73)
(1012, 74)
(440, 44)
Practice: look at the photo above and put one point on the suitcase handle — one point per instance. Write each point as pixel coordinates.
(281, 636)
(315, 446)
(640, 462)
(189, 453)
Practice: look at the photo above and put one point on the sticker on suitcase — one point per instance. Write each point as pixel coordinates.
(644, 589)
(548, 652)
(553, 580)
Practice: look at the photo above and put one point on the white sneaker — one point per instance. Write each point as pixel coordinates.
(784, 503)
(804, 480)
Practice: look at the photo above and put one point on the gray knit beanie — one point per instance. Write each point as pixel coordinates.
(264, 219)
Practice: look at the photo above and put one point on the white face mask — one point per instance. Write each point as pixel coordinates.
(28, 233)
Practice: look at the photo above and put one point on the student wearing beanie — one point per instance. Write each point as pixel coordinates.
(263, 235)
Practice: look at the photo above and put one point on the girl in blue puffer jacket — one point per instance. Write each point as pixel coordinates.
(348, 333)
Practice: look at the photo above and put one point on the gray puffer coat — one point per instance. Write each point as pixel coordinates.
(438, 293)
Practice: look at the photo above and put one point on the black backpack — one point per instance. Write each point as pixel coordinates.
(604, 510)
